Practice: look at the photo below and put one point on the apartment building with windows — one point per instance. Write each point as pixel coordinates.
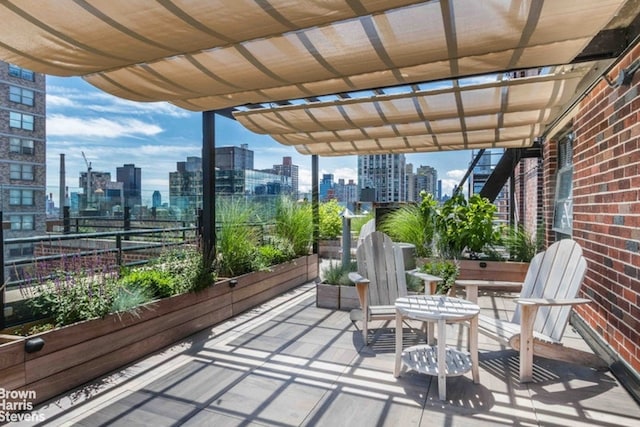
(22, 154)
(384, 174)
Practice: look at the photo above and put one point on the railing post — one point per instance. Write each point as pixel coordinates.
(66, 219)
(2, 281)
(119, 252)
(127, 220)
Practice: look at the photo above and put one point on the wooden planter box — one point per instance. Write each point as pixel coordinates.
(75, 354)
(327, 296)
(505, 271)
(349, 298)
(336, 297)
(331, 249)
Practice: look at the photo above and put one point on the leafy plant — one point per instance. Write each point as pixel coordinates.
(277, 251)
(520, 244)
(338, 275)
(83, 288)
(330, 222)
(129, 299)
(156, 283)
(447, 270)
(294, 223)
(236, 240)
(461, 224)
(189, 269)
(409, 224)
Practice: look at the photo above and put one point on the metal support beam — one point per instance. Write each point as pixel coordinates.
(2, 278)
(208, 186)
(315, 201)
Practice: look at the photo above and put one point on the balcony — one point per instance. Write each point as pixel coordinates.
(290, 363)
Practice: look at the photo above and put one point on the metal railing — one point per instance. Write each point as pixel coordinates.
(119, 248)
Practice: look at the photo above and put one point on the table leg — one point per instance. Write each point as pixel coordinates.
(473, 349)
(442, 359)
(396, 371)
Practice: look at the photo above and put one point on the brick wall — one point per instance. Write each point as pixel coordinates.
(606, 210)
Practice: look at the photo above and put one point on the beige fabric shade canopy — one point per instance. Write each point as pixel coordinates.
(210, 55)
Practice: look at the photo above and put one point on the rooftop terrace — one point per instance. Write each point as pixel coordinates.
(289, 363)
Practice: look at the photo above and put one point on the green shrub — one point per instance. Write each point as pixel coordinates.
(189, 270)
(128, 299)
(336, 274)
(447, 270)
(236, 240)
(68, 300)
(408, 224)
(466, 224)
(294, 224)
(330, 222)
(157, 283)
(278, 251)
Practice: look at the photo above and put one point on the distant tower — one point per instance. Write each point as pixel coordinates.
(234, 158)
(131, 178)
(426, 180)
(156, 199)
(385, 174)
(287, 168)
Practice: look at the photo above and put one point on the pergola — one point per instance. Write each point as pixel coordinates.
(334, 77)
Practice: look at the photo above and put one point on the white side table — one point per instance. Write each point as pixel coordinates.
(437, 360)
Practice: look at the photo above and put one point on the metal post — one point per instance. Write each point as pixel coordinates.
(127, 220)
(346, 240)
(2, 281)
(315, 202)
(66, 220)
(208, 184)
(119, 248)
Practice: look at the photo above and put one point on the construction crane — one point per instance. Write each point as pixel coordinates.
(89, 192)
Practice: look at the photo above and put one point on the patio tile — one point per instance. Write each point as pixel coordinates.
(295, 365)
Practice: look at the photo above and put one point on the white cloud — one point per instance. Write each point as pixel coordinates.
(61, 125)
(59, 101)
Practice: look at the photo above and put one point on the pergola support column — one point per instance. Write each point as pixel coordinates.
(208, 186)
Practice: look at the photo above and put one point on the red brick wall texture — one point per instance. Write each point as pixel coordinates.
(606, 209)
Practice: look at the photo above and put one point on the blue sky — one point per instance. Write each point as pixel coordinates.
(154, 136)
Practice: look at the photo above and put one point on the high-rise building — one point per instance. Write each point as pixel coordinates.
(347, 193)
(410, 180)
(326, 190)
(384, 175)
(156, 199)
(287, 168)
(234, 158)
(426, 179)
(100, 196)
(131, 178)
(185, 186)
(22, 154)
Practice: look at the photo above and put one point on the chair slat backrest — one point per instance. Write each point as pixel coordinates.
(381, 261)
(556, 273)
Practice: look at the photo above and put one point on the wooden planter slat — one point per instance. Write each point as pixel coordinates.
(11, 353)
(64, 337)
(12, 377)
(52, 363)
(505, 271)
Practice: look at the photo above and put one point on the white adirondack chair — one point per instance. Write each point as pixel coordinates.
(548, 293)
(381, 279)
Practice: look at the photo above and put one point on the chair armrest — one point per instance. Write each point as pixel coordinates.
(472, 286)
(551, 301)
(358, 278)
(429, 280)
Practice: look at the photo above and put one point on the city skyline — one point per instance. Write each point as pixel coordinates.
(154, 137)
